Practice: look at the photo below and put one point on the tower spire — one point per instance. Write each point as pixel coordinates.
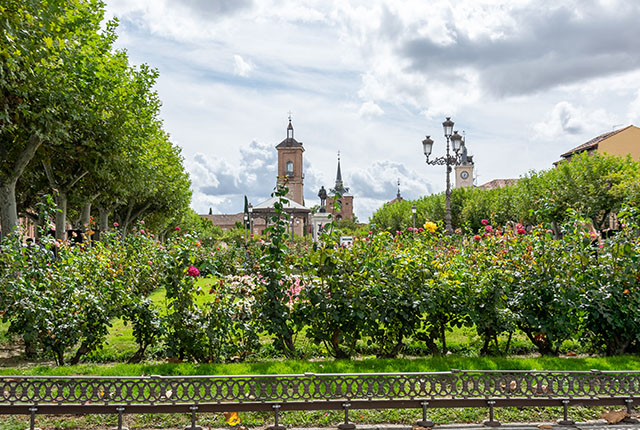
(339, 187)
(290, 128)
(398, 196)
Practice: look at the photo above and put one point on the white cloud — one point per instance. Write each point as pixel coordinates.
(566, 119)
(634, 110)
(241, 67)
(370, 109)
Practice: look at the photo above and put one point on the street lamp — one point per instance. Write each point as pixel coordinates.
(413, 214)
(448, 160)
(246, 221)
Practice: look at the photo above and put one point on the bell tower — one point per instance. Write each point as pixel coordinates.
(290, 166)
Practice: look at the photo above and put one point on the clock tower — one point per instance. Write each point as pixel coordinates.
(290, 166)
(464, 171)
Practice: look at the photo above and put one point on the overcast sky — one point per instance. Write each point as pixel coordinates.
(526, 80)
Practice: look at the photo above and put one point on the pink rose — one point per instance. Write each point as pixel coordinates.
(177, 228)
(142, 222)
(141, 231)
(522, 231)
(193, 271)
(115, 224)
(150, 263)
(488, 229)
(484, 222)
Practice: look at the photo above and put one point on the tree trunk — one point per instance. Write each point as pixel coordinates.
(85, 216)
(61, 215)
(8, 209)
(104, 220)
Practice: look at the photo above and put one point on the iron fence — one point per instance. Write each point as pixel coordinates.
(31, 395)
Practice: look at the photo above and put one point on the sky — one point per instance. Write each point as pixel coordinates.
(525, 80)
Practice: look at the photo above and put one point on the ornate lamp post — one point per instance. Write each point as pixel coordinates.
(448, 160)
(246, 222)
(413, 215)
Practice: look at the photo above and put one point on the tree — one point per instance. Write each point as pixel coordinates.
(43, 44)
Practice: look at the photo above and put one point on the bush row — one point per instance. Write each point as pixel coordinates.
(387, 290)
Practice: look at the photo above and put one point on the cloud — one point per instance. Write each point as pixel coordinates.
(370, 109)
(212, 9)
(379, 181)
(566, 119)
(439, 56)
(221, 181)
(634, 110)
(241, 67)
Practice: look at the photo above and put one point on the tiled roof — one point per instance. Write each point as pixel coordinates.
(289, 143)
(269, 204)
(593, 143)
(230, 219)
(225, 219)
(498, 183)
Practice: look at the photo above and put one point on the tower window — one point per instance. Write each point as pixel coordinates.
(289, 168)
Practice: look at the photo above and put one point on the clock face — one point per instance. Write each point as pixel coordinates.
(464, 175)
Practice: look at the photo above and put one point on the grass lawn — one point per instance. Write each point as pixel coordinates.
(322, 418)
(120, 343)
(365, 365)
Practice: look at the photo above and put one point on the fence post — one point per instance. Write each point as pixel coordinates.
(424, 422)
(120, 410)
(565, 421)
(32, 419)
(276, 425)
(492, 422)
(629, 419)
(346, 425)
(193, 409)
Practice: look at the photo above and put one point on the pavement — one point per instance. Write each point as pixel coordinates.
(591, 425)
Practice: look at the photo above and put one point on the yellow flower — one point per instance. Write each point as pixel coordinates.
(232, 418)
(430, 226)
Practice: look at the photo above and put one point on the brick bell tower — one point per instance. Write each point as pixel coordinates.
(290, 166)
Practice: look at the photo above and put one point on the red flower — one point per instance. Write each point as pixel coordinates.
(177, 228)
(477, 237)
(488, 229)
(484, 222)
(193, 271)
(521, 230)
(141, 231)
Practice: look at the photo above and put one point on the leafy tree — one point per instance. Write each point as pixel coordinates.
(44, 45)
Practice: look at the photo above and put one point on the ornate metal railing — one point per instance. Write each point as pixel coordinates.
(33, 395)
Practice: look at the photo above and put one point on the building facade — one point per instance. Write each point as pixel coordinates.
(622, 142)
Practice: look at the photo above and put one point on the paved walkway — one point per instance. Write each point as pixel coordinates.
(591, 425)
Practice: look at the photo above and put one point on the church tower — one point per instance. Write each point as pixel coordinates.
(341, 197)
(464, 171)
(290, 166)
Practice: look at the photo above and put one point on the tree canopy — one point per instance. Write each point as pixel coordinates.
(78, 121)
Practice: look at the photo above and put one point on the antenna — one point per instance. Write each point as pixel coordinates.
(290, 115)
(613, 127)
